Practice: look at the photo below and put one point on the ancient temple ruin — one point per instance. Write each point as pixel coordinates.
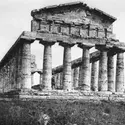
(87, 91)
(68, 25)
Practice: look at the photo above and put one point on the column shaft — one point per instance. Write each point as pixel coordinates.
(120, 72)
(47, 68)
(80, 75)
(76, 77)
(67, 84)
(32, 79)
(102, 82)
(94, 76)
(26, 65)
(41, 77)
(86, 69)
(111, 85)
(72, 78)
(19, 53)
(58, 81)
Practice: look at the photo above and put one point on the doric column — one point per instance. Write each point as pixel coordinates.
(80, 75)
(67, 84)
(47, 65)
(120, 72)
(76, 77)
(58, 81)
(32, 79)
(85, 85)
(72, 78)
(102, 80)
(26, 64)
(41, 77)
(94, 76)
(19, 63)
(111, 84)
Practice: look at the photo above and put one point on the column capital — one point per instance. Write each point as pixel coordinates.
(66, 44)
(27, 40)
(103, 47)
(85, 45)
(114, 50)
(118, 50)
(47, 42)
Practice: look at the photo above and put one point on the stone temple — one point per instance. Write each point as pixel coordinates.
(87, 91)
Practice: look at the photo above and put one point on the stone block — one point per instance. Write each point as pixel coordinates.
(83, 32)
(65, 30)
(93, 33)
(75, 31)
(35, 25)
(55, 28)
(44, 27)
(101, 34)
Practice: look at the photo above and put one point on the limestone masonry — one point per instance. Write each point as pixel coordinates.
(67, 24)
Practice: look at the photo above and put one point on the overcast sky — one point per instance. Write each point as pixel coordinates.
(15, 18)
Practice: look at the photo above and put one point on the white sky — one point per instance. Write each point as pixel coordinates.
(15, 18)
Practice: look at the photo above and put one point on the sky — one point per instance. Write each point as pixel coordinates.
(15, 18)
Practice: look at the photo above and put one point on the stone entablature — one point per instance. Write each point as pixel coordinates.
(76, 19)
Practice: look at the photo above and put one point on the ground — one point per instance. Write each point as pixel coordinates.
(61, 112)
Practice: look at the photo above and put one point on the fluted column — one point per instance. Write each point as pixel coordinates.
(58, 81)
(80, 75)
(102, 80)
(120, 72)
(85, 84)
(72, 75)
(67, 84)
(94, 76)
(76, 77)
(111, 83)
(47, 65)
(41, 77)
(19, 63)
(61, 80)
(26, 64)
(32, 79)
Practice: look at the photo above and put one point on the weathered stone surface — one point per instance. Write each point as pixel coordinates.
(26, 65)
(44, 26)
(67, 84)
(41, 78)
(47, 68)
(33, 63)
(65, 29)
(76, 78)
(72, 72)
(111, 83)
(80, 76)
(85, 85)
(94, 76)
(61, 80)
(58, 80)
(35, 25)
(120, 72)
(50, 37)
(102, 82)
(77, 14)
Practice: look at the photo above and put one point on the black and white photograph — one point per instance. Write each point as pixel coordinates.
(62, 62)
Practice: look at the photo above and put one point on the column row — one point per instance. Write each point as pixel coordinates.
(106, 69)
